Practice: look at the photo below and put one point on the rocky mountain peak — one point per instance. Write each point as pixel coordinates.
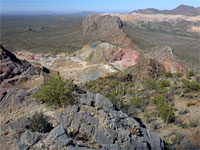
(99, 23)
(106, 28)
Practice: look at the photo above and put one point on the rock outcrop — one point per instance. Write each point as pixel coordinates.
(97, 52)
(125, 58)
(10, 65)
(92, 123)
(166, 57)
(106, 28)
(12, 70)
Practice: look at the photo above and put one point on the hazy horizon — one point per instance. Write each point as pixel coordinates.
(73, 6)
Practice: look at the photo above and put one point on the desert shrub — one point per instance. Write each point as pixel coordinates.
(162, 90)
(191, 104)
(190, 74)
(183, 112)
(164, 109)
(179, 122)
(191, 85)
(177, 138)
(55, 91)
(148, 117)
(164, 83)
(178, 75)
(113, 98)
(150, 84)
(168, 74)
(39, 122)
(155, 126)
(136, 102)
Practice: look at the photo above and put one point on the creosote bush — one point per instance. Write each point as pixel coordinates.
(150, 84)
(168, 74)
(178, 75)
(164, 83)
(191, 85)
(164, 109)
(136, 102)
(190, 74)
(39, 122)
(55, 91)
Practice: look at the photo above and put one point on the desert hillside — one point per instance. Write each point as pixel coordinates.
(100, 81)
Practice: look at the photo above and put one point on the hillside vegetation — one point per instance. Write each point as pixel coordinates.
(157, 101)
(147, 35)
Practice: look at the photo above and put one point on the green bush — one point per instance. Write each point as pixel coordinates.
(148, 117)
(150, 84)
(162, 90)
(191, 104)
(136, 102)
(55, 91)
(178, 75)
(191, 85)
(190, 74)
(164, 83)
(168, 74)
(164, 109)
(39, 122)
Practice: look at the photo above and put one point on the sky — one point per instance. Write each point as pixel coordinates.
(9, 6)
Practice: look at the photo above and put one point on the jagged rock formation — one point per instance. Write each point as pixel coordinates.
(11, 70)
(167, 58)
(90, 124)
(150, 68)
(106, 28)
(10, 66)
(180, 10)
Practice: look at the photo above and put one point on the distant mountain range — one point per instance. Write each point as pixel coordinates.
(180, 10)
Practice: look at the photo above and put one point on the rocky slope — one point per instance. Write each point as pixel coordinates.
(180, 10)
(166, 57)
(106, 28)
(91, 123)
(97, 52)
(11, 71)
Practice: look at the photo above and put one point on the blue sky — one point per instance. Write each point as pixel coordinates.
(90, 5)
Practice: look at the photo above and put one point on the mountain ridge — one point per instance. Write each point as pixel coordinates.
(180, 10)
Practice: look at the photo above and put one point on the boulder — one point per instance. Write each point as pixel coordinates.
(30, 138)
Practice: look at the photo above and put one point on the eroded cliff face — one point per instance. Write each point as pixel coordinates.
(106, 28)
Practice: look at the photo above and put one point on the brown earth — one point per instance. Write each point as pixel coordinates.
(106, 28)
(180, 10)
(166, 57)
(155, 17)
